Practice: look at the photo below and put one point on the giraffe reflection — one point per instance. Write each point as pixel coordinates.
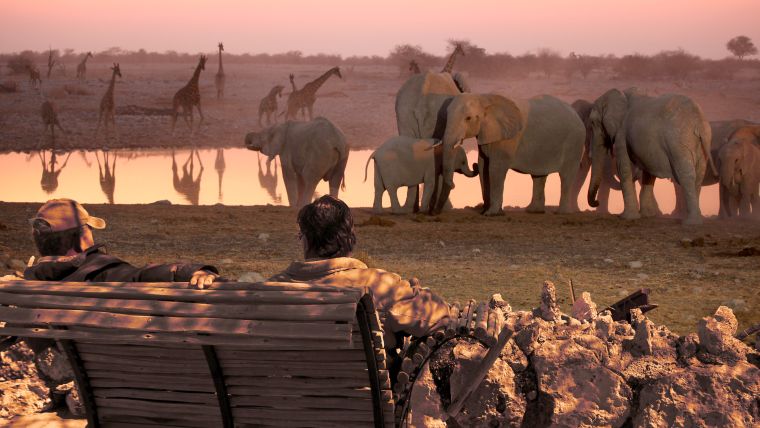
(269, 180)
(220, 165)
(107, 177)
(188, 186)
(49, 180)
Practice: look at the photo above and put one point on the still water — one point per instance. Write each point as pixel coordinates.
(234, 176)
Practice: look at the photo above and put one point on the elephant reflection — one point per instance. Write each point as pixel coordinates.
(107, 175)
(220, 165)
(269, 180)
(188, 186)
(49, 180)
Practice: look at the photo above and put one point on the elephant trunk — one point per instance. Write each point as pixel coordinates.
(598, 152)
(251, 141)
(728, 175)
(467, 172)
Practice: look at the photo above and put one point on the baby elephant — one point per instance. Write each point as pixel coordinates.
(406, 161)
(739, 161)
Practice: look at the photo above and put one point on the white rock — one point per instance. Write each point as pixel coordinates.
(635, 264)
(263, 236)
(476, 250)
(642, 276)
(609, 261)
(251, 277)
(441, 243)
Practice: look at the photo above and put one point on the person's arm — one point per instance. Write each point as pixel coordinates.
(198, 275)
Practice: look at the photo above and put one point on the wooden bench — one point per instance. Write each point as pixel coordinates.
(264, 354)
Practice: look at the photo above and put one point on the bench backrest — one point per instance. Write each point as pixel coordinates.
(239, 354)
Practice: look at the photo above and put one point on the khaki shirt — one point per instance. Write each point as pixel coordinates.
(403, 308)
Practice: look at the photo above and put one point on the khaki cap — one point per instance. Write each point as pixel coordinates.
(65, 214)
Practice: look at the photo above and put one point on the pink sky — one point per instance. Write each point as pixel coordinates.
(358, 27)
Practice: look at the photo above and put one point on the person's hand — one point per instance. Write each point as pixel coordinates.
(202, 279)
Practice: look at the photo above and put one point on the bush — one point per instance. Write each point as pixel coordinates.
(19, 64)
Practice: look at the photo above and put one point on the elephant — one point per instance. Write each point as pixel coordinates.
(406, 161)
(720, 130)
(309, 152)
(538, 136)
(740, 173)
(420, 103)
(609, 180)
(666, 136)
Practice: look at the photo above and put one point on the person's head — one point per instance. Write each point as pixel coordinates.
(62, 227)
(327, 228)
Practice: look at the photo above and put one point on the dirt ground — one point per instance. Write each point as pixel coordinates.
(460, 254)
(362, 103)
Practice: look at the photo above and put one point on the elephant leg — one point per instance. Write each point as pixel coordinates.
(483, 167)
(580, 179)
(755, 202)
(395, 206)
(680, 210)
(411, 198)
(497, 173)
(631, 205)
(538, 200)
(377, 206)
(568, 201)
(647, 200)
(686, 176)
(745, 201)
(427, 194)
(291, 185)
(723, 211)
(307, 194)
(603, 196)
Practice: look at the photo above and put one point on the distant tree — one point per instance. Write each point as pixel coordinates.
(52, 60)
(741, 46)
(401, 55)
(548, 60)
(474, 59)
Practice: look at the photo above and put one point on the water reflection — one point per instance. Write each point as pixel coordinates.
(188, 186)
(243, 179)
(107, 175)
(49, 180)
(220, 165)
(268, 180)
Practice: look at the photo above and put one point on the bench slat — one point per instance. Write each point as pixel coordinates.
(138, 417)
(303, 402)
(348, 393)
(275, 329)
(318, 312)
(151, 394)
(305, 415)
(227, 354)
(142, 351)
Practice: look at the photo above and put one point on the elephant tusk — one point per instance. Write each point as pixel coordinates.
(439, 143)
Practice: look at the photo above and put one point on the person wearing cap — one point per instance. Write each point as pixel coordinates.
(327, 233)
(62, 232)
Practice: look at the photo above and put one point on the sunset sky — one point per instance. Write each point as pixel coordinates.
(357, 27)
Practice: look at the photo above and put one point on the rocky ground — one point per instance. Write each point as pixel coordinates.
(587, 370)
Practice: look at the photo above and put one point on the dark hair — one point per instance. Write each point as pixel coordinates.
(328, 227)
(51, 243)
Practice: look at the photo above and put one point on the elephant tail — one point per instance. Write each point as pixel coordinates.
(372, 156)
(706, 141)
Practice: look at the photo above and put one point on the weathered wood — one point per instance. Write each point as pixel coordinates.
(168, 368)
(330, 356)
(143, 361)
(151, 394)
(217, 286)
(237, 364)
(156, 382)
(138, 416)
(305, 415)
(468, 325)
(296, 403)
(275, 329)
(318, 312)
(481, 321)
(313, 372)
(131, 421)
(138, 351)
(465, 316)
(347, 393)
(357, 379)
(168, 409)
(291, 297)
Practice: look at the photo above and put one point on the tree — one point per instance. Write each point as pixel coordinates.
(741, 46)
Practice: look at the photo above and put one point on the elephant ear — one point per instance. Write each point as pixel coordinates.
(614, 106)
(502, 120)
(275, 139)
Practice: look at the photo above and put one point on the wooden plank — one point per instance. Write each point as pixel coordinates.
(142, 361)
(217, 286)
(142, 421)
(306, 415)
(280, 422)
(276, 329)
(186, 410)
(185, 354)
(481, 321)
(294, 392)
(318, 312)
(151, 394)
(313, 372)
(124, 337)
(138, 417)
(291, 297)
(110, 379)
(296, 403)
(140, 369)
(303, 364)
(228, 354)
(132, 425)
(302, 383)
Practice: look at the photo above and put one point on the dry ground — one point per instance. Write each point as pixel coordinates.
(362, 103)
(461, 254)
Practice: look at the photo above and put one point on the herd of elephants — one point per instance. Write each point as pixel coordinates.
(622, 136)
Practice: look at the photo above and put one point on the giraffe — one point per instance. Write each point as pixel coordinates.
(305, 97)
(188, 97)
(414, 67)
(268, 104)
(188, 186)
(268, 180)
(82, 67)
(107, 179)
(34, 77)
(220, 165)
(49, 113)
(51, 62)
(107, 105)
(452, 58)
(220, 78)
(292, 78)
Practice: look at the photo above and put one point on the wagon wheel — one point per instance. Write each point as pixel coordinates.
(474, 322)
